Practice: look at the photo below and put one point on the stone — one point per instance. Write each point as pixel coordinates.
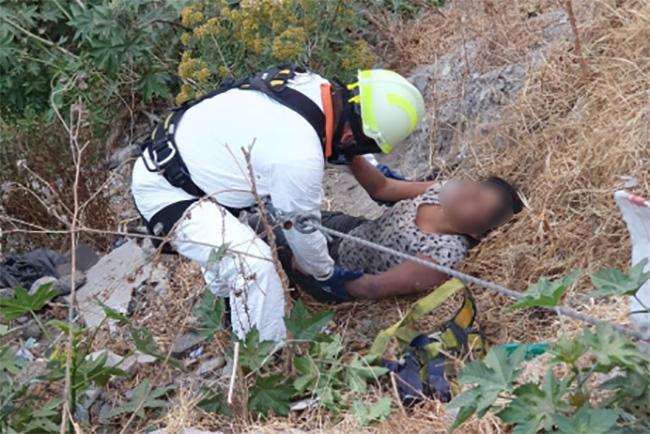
(135, 359)
(63, 283)
(468, 100)
(112, 359)
(113, 280)
(123, 155)
(7, 293)
(32, 370)
(45, 280)
(210, 366)
(31, 330)
(186, 343)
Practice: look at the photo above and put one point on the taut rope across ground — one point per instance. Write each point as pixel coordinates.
(307, 223)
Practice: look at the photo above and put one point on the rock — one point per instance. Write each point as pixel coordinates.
(122, 155)
(210, 366)
(112, 281)
(7, 293)
(32, 370)
(137, 359)
(45, 280)
(467, 99)
(63, 283)
(31, 330)
(185, 343)
(22, 319)
(112, 359)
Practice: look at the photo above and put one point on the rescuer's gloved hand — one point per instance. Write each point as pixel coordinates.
(335, 284)
(389, 173)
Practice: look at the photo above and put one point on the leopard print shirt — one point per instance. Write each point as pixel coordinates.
(397, 229)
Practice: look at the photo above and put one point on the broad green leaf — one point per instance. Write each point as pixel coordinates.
(95, 371)
(534, 408)
(588, 421)
(113, 314)
(143, 398)
(252, 352)
(366, 414)
(210, 312)
(359, 372)
(309, 373)
(567, 350)
(44, 419)
(611, 349)
(303, 326)
(546, 293)
(10, 362)
(493, 375)
(270, 394)
(24, 303)
(214, 401)
(611, 281)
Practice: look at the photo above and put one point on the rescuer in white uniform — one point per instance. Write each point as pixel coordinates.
(290, 142)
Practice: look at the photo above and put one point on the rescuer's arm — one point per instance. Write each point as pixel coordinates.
(297, 188)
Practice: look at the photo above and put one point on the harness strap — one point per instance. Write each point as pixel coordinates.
(160, 151)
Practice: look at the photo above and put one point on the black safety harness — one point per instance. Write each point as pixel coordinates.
(160, 151)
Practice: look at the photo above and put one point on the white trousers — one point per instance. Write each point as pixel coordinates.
(245, 274)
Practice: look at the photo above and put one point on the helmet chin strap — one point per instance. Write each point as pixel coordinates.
(349, 114)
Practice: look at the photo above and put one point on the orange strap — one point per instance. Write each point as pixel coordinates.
(328, 108)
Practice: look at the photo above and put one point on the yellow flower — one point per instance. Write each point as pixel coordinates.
(357, 56)
(289, 44)
(184, 94)
(186, 38)
(223, 71)
(189, 67)
(203, 75)
(191, 17)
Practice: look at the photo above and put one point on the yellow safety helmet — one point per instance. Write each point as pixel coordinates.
(391, 107)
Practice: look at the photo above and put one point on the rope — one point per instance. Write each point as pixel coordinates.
(308, 223)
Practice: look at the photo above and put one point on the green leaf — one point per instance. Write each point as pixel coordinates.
(493, 375)
(567, 350)
(143, 398)
(546, 293)
(358, 372)
(270, 393)
(95, 371)
(611, 349)
(252, 352)
(216, 255)
(24, 303)
(306, 327)
(588, 421)
(113, 314)
(309, 373)
(42, 418)
(611, 281)
(210, 312)
(145, 343)
(534, 408)
(10, 362)
(366, 414)
(214, 401)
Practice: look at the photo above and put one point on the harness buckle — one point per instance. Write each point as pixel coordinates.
(158, 166)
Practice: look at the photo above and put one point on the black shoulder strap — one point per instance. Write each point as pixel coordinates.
(273, 83)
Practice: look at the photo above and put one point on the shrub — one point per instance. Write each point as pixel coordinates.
(237, 38)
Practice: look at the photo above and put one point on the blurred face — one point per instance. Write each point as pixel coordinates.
(471, 206)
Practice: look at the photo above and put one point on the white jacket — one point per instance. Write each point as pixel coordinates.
(287, 159)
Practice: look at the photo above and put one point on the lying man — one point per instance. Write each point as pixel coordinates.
(437, 222)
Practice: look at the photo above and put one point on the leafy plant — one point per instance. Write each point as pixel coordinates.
(142, 398)
(237, 38)
(546, 293)
(366, 414)
(142, 338)
(210, 313)
(306, 327)
(24, 303)
(611, 281)
(270, 394)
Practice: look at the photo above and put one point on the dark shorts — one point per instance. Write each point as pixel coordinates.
(332, 220)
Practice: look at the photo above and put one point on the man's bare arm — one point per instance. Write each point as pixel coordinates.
(380, 187)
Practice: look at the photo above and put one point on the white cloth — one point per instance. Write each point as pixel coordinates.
(636, 214)
(287, 160)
